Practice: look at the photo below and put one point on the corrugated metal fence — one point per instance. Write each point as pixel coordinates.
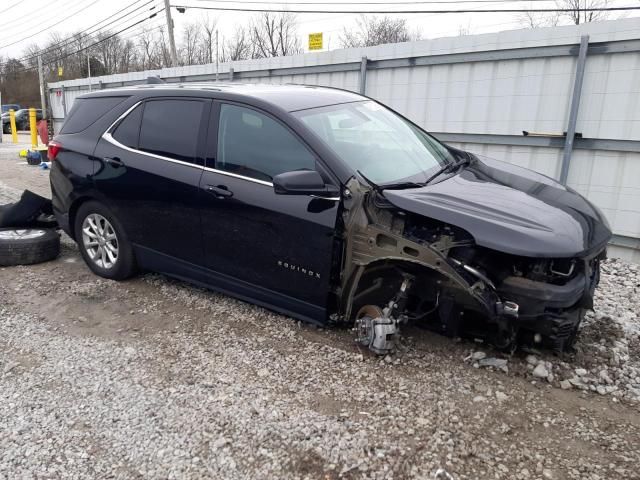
(480, 93)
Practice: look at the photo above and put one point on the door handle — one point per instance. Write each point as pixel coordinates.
(220, 191)
(113, 161)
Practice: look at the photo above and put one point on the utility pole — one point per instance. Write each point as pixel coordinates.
(217, 54)
(89, 70)
(43, 99)
(172, 40)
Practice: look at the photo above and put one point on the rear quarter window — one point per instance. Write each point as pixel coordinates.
(86, 111)
(128, 130)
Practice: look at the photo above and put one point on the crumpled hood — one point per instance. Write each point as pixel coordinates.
(511, 209)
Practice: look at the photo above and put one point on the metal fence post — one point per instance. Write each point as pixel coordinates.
(363, 75)
(64, 101)
(41, 84)
(573, 112)
(231, 74)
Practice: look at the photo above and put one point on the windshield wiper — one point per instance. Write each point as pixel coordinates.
(447, 168)
(401, 185)
(390, 186)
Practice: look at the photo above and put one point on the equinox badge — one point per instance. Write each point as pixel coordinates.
(296, 268)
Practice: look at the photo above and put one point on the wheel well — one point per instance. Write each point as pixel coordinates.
(381, 280)
(73, 210)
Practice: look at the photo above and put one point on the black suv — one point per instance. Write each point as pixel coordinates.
(327, 206)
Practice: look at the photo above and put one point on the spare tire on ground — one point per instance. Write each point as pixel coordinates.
(25, 246)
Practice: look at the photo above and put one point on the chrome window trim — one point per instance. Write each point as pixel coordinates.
(109, 138)
(126, 112)
(241, 177)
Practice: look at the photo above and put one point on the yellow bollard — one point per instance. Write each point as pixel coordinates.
(12, 122)
(32, 128)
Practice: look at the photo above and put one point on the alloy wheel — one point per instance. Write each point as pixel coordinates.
(24, 234)
(100, 241)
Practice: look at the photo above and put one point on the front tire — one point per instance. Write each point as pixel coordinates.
(103, 243)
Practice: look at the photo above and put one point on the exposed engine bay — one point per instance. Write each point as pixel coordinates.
(400, 268)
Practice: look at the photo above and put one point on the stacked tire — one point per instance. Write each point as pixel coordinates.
(26, 246)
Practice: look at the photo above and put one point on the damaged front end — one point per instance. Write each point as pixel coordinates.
(403, 267)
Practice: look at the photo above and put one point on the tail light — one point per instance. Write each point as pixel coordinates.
(52, 150)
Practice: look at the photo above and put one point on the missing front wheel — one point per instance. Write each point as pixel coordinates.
(378, 329)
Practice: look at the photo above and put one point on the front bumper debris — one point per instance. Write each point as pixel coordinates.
(550, 314)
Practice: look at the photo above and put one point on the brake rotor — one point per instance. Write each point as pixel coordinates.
(371, 311)
(364, 323)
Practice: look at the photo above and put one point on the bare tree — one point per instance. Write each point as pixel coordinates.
(268, 35)
(575, 13)
(374, 30)
(110, 52)
(538, 19)
(464, 30)
(162, 46)
(128, 59)
(208, 28)
(275, 35)
(55, 54)
(189, 52)
(534, 20)
(150, 50)
(237, 47)
(578, 16)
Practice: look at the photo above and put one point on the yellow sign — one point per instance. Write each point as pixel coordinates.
(315, 41)
(60, 71)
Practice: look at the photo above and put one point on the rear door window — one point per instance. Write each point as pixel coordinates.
(171, 128)
(86, 111)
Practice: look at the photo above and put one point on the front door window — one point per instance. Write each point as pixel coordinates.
(254, 145)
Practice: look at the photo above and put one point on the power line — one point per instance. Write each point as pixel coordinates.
(87, 32)
(62, 57)
(159, 25)
(146, 29)
(11, 6)
(424, 2)
(16, 24)
(40, 30)
(76, 36)
(413, 12)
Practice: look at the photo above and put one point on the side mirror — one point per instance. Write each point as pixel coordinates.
(302, 182)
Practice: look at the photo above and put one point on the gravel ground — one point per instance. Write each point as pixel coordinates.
(153, 378)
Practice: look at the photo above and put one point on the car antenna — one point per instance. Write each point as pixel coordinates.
(373, 185)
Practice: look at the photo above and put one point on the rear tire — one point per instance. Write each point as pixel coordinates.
(103, 243)
(26, 246)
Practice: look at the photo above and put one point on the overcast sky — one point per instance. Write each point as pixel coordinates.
(40, 18)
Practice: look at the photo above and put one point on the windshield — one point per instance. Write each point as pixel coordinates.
(377, 142)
